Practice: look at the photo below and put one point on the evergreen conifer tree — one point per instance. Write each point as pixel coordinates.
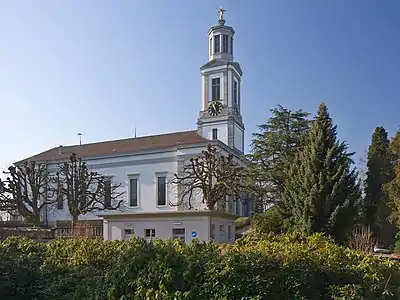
(380, 170)
(321, 192)
(273, 149)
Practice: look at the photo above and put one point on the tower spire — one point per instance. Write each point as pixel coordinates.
(221, 20)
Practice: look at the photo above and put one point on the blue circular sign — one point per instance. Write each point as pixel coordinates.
(194, 233)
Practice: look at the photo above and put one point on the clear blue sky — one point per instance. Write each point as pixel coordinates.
(102, 67)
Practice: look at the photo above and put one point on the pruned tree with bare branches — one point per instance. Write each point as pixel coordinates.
(362, 239)
(86, 191)
(212, 176)
(26, 191)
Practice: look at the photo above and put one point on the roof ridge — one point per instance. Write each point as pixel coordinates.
(127, 139)
(119, 146)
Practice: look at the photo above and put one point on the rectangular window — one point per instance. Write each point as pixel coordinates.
(215, 134)
(225, 43)
(217, 44)
(222, 227)
(238, 96)
(215, 89)
(235, 94)
(133, 192)
(212, 232)
(107, 193)
(161, 191)
(210, 46)
(149, 233)
(237, 208)
(178, 233)
(232, 45)
(129, 233)
(229, 233)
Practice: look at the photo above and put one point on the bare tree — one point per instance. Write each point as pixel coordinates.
(362, 239)
(26, 191)
(212, 176)
(86, 191)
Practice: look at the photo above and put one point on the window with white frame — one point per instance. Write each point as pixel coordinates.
(225, 43)
(129, 233)
(133, 191)
(215, 134)
(107, 192)
(178, 233)
(235, 95)
(149, 233)
(217, 43)
(161, 190)
(215, 89)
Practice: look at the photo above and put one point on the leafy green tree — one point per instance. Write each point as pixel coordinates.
(272, 150)
(380, 171)
(321, 193)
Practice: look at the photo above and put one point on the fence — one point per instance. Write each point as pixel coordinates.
(90, 228)
(63, 229)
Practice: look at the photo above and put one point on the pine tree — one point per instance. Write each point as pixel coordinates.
(380, 171)
(392, 188)
(321, 192)
(273, 149)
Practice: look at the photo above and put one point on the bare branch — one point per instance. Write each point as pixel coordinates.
(26, 191)
(87, 191)
(214, 176)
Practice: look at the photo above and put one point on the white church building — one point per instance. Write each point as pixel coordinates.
(145, 165)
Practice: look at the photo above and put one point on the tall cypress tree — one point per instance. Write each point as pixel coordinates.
(380, 170)
(273, 149)
(322, 192)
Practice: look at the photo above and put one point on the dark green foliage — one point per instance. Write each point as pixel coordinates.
(380, 170)
(392, 188)
(20, 277)
(269, 222)
(289, 266)
(321, 192)
(272, 151)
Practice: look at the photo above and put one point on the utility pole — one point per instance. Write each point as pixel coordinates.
(80, 138)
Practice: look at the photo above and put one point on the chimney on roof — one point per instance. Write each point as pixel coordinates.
(60, 150)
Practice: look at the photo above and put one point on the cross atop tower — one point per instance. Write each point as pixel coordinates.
(221, 20)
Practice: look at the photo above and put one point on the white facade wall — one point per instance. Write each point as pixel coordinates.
(144, 167)
(218, 229)
(239, 138)
(222, 129)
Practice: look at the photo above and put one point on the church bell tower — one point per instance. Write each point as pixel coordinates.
(220, 116)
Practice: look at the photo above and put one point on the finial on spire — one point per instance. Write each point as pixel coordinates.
(221, 20)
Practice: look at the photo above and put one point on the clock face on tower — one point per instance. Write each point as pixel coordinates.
(215, 108)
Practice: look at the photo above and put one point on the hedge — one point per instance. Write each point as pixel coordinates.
(286, 266)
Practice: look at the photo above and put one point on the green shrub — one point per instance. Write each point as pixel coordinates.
(20, 261)
(268, 222)
(267, 266)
